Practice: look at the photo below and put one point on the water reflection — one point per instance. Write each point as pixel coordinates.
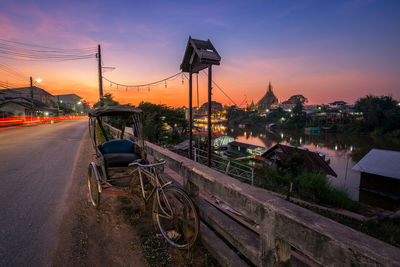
(342, 150)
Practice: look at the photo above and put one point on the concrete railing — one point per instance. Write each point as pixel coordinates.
(283, 225)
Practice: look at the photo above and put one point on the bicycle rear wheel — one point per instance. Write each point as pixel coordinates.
(176, 217)
(94, 185)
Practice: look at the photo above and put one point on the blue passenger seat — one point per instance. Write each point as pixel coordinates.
(118, 153)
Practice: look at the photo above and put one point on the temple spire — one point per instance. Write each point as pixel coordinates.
(268, 99)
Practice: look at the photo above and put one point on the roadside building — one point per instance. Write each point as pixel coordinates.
(18, 102)
(34, 92)
(380, 178)
(71, 103)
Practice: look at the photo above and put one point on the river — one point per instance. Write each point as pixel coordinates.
(342, 150)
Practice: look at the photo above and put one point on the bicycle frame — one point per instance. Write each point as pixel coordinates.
(158, 186)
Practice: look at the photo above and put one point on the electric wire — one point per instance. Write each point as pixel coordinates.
(230, 99)
(13, 72)
(24, 51)
(172, 77)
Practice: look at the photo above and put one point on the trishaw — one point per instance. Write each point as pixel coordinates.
(120, 161)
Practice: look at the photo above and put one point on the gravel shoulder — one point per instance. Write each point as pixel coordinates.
(90, 237)
(119, 233)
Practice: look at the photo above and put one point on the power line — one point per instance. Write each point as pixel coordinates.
(51, 48)
(24, 51)
(145, 84)
(230, 99)
(7, 85)
(13, 72)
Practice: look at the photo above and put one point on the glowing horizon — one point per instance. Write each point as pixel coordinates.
(324, 51)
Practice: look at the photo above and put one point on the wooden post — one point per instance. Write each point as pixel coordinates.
(197, 83)
(190, 115)
(209, 116)
(100, 76)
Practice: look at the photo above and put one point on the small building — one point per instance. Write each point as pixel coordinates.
(312, 160)
(287, 105)
(380, 178)
(338, 105)
(237, 149)
(34, 92)
(71, 102)
(15, 104)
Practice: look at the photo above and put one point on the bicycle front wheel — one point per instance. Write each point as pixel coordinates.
(176, 217)
(94, 185)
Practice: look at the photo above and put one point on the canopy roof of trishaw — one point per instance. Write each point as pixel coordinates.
(114, 111)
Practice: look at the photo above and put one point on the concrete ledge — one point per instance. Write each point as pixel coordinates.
(242, 238)
(223, 254)
(283, 224)
(323, 240)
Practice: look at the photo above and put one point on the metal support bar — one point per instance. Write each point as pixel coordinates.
(227, 167)
(209, 116)
(190, 115)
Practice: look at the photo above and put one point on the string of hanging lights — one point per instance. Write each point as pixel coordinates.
(145, 85)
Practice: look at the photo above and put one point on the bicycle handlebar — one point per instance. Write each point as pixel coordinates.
(146, 165)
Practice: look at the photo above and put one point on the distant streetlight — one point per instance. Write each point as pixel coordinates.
(76, 108)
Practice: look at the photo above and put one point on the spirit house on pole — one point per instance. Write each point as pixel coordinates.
(200, 55)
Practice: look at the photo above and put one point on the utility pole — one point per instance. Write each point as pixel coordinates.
(31, 83)
(100, 76)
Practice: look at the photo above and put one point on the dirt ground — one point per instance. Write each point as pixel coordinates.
(119, 233)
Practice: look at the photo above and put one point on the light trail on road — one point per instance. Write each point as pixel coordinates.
(35, 174)
(15, 122)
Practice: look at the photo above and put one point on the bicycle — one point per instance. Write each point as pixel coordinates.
(120, 161)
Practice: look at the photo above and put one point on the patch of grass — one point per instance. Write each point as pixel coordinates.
(309, 186)
(131, 209)
(155, 249)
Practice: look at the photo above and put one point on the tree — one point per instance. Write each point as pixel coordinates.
(379, 112)
(298, 109)
(277, 114)
(295, 98)
(108, 100)
(156, 115)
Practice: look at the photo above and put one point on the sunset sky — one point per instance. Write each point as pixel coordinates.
(325, 50)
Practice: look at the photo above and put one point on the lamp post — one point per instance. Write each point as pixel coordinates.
(38, 80)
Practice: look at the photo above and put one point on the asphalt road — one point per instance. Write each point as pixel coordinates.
(36, 164)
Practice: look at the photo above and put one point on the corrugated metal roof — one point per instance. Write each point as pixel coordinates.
(380, 162)
(244, 145)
